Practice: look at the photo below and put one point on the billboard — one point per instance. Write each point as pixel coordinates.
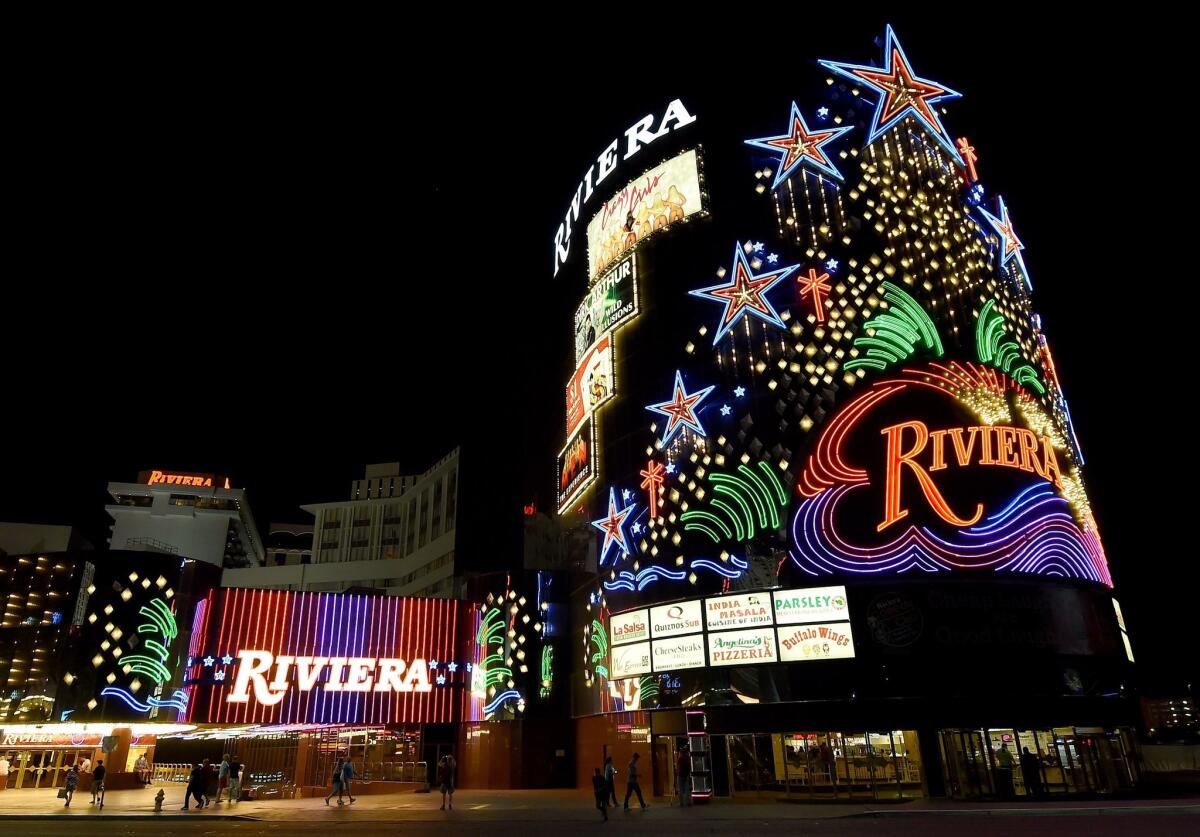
(676, 619)
(629, 627)
(612, 301)
(576, 465)
(824, 641)
(592, 383)
(630, 660)
(738, 611)
(813, 604)
(278, 657)
(662, 196)
(680, 653)
(742, 648)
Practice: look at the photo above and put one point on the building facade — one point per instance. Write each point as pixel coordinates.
(395, 534)
(196, 516)
(815, 431)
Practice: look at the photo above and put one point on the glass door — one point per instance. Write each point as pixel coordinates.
(965, 759)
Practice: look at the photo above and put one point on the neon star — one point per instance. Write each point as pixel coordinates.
(652, 478)
(800, 145)
(1010, 245)
(818, 288)
(831, 264)
(626, 494)
(613, 526)
(822, 111)
(967, 152)
(452, 667)
(901, 92)
(726, 409)
(219, 675)
(681, 410)
(208, 661)
(745, 294)
(636, 528)
(773, 258)
(670, 467)
(758, 248)
(227, 660)
(739, 392)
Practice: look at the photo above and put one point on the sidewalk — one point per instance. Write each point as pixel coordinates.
(540, 805)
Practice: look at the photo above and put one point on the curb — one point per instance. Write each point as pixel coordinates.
(1028, 812)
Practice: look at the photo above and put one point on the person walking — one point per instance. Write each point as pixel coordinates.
(236, 771)
(194, 788)
(336, 785)
(446, 769)
(347, 775)
(222, 777)
(98, 782)
(632, 782)
(610, 776)
(72, 782)
(600, 791)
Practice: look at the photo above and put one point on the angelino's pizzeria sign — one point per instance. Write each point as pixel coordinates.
(739, 648)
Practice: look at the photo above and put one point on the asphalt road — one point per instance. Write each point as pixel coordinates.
(1118, 825)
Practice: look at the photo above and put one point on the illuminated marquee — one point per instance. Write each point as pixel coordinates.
(277, 657)
(576, 465)
(611, 302)
(176, 478)
(592, 384)
(637, 137)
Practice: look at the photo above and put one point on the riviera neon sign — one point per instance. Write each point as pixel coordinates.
(1008, 447)
(345, 674)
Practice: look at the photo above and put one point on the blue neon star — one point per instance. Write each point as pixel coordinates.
(681, 409)
(1010, 245)
(831, 264)
(726, 409)
(823, 112)
(219, 675)
(901, 93)
(626, 494)
(227, 660)
(758, 247)
(613, 525)
(745, 293)
(208, 661)
(433, 663)
(670, 467)
(452, 667)
(636, 528)
(800, 145)
(441, 680)
(739, 391)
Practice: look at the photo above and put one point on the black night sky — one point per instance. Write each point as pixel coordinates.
(284, 269)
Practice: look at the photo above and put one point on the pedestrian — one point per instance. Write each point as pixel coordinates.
(446, 769)
(98, 782)
(1004, 773)
(208, 783)
(72, 782)
(1031, 771)
(222, 777)
(683, 774)
(143, 769)
(600, 789)
(195, 788)
(610, 777)
(631, 782)
(336, 785)
(347, 775)
(85, 766)
(236, 771)
(5, 765)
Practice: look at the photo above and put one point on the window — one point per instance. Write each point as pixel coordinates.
(451, 498)
(423, 524)
(437, 510)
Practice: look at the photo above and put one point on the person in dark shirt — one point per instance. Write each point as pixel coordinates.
(98, 782)
(195, 788)
(600, 789)
(236, 769)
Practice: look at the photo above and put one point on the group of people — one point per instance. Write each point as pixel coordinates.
(604, 783)
(207, 781)
(71, 782)
(1031, 772)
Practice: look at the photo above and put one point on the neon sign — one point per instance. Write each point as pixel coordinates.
(349, 674)
(174, 478)
(1033, 532)
(800, 146)
(745, 293)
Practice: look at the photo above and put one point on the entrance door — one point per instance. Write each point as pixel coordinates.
(964, 756)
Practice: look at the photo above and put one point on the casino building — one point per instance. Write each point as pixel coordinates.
(843, 543)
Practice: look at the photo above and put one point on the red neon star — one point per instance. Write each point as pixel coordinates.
(1011, 243)
(818, 287)
(746, 293)
(902, 89)
(612, 526)
(968, 154)
(803, 144)
(652, 479)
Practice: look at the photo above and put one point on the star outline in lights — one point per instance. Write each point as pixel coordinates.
(1010, 245)
(227, 660)
(745, 293)
(901, 92)
(613, 526)
(208, 661)
(739, 391)
(681, 409)
(726, 409)
(801, 144)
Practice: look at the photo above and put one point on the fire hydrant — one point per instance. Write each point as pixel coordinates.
(158, 800)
